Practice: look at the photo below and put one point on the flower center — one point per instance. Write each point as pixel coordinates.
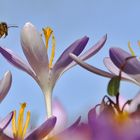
(48, 33)
(19, 128)
(122, 118)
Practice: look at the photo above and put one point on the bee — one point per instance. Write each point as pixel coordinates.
(4, 29)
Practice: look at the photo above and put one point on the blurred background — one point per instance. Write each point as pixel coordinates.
(78, 90)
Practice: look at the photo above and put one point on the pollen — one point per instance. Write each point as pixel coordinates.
(19, 129)
(48, 33)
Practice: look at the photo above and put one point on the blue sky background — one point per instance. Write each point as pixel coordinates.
(78, 90)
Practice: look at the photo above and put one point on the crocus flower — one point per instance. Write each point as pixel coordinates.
(113, 63)
(5, 84)
(132, 67)
(40, 67)
(19, 127)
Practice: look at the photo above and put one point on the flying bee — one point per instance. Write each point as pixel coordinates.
(4, 29)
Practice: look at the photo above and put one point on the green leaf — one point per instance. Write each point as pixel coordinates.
(113, 86)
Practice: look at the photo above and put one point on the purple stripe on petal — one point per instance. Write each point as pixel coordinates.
(75, 48)
(5, 122)
(43, 130)
(118, 57)
(90, 68)
(5, 85)
(91, 52)
(15, 60)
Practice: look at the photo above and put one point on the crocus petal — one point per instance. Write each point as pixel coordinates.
(4, 137)
(35, 51)
(115, 70)
(64, 60)
(90, 68)
(5, 122)
(135, 103)
(15, 60)
(90, 52)
(5, 85)
(75, 48)
(74, 125)
(43, 130)
(60, 113)
(118, 57)
(67, 130)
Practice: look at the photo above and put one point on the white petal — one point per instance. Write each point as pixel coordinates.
(35, 51)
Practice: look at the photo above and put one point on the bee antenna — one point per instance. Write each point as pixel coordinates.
(13, 26)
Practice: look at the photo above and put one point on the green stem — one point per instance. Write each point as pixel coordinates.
(48, 101)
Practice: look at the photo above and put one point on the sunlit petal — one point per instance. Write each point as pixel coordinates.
(35, 51)
(5, 84)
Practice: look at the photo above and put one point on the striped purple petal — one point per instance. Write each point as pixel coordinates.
(90, 67)
(5, 84)
(43, 130)
(90, 52)
(75, 48)
(118, 57)
(15, 60)
(5, 122)
(115, 70)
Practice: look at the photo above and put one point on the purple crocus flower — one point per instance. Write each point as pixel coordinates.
(108, 126)
(37, 134)
(113, 63)
(40, 67)
(132, 67)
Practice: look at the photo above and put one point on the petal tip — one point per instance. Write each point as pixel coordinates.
(28, 24)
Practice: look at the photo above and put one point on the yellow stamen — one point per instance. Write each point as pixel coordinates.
(19, 131)
(53, 51)
(26, 124)
(130, 49)
(14, 129)
(20, 119)
(48, 32)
